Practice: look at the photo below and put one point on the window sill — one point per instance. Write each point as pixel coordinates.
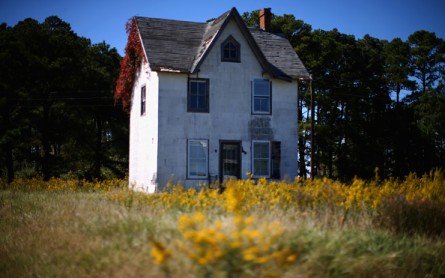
(198, 178)
(201, 112)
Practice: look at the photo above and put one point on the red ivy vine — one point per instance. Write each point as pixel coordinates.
(130, 65)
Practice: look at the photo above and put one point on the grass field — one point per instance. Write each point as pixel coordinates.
(253, 229)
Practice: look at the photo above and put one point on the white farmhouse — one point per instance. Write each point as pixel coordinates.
(214, 100)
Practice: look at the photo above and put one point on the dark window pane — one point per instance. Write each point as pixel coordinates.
(261, 150)
(261, 104)
(143, 100)
(230, 50)
(193, 102)
(200, 102)
(264, 105)
(276, 160)
(261, 88)
(201, 88)
(198, 96)
(233, 54)
(260, 167)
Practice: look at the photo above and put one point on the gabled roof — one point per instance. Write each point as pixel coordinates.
(280, 54)
(182, 46)
(170, 44)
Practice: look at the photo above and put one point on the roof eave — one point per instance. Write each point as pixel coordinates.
(168, 69)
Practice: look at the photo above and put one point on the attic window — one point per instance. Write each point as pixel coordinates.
(230, 50)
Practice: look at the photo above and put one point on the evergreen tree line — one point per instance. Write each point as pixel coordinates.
(378, 104)
(57, 112)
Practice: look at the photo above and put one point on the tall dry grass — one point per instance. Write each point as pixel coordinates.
(321, 228)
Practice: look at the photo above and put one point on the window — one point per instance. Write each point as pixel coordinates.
(143, 100)
(261, 96)
(197, 159)
(261, 158)
(230, 50)
(198, 95)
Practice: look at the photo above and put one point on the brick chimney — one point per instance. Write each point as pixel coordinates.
(265, 19)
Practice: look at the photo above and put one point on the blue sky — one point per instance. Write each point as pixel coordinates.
(105, 20)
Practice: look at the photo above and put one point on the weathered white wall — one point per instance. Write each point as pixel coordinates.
(144, 133)
(229, 115)
(284, 124)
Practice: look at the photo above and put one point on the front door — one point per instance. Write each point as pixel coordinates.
(230, 160)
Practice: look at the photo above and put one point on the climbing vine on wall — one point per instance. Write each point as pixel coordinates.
(130, 65)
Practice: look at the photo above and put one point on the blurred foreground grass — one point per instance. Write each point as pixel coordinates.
(303, 228)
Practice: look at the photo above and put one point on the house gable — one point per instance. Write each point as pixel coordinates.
(219, 70)
(217, 27)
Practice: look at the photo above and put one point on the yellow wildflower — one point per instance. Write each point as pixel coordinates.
(262, 260)
(291, 258)
(159, 253)
(250, 253)
(251, 234)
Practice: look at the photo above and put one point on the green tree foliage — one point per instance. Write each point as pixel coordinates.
(252, 19)
(430, 115)
(11, 124)
(56, 99)
(397, 66)
(427, 58)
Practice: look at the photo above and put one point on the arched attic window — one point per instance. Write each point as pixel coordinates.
(230, 50)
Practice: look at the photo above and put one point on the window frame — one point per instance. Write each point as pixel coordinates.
(269, 97)
(237, 59)
(143, 100)
(189, 166)
(206, 95)
(269, 158)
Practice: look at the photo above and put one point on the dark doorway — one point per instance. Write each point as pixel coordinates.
(230, 160)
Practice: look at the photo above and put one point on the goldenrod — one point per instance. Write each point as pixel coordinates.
(159, 253)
